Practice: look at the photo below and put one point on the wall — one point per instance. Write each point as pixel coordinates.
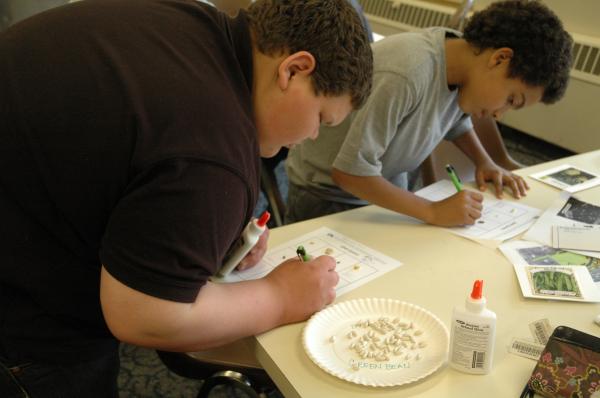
(579, 16)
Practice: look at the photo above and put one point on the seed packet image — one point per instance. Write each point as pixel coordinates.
(546, 255)
(553, 281)
(578, 210)
(568, 178)
(548, 273)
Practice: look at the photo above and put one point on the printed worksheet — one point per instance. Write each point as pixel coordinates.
(356, 263)
(549, 273)
(500, 219)
(565, 211)
(568, 178)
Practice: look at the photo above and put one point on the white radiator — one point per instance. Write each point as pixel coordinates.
(573, 123)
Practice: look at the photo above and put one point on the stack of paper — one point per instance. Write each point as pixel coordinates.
(564, 261)
(585, 238)
(548, 273)
(570, 213)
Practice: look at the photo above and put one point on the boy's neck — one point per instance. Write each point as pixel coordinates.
(460, 60)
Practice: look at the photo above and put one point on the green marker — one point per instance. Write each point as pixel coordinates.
(454, 177)
(302, 255)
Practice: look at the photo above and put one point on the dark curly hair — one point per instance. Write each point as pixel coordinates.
(541, 46)
(330, 30)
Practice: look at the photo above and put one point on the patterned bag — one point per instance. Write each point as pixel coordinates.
(569, 366)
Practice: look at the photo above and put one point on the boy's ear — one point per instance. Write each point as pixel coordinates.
(500, 56)
(301, 63)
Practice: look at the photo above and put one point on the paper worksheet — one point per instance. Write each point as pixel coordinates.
(500, 219)
(565, 211)
(356, 263)
(548, 273)
(576, 238)
(568, 178)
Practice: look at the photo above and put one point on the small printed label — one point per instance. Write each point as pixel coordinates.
(359, 364)
(541, 330)
(478, 359)
(527, 349)
(470, 343)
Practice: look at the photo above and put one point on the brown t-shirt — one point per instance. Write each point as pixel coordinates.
(126, 139)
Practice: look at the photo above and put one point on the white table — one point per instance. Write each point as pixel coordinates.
(438, 273)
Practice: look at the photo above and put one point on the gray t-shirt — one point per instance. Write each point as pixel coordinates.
(410, 110)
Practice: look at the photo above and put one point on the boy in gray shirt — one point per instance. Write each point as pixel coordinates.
(425, 86)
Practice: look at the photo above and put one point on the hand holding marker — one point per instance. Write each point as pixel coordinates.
(471, 204)
(245, 243)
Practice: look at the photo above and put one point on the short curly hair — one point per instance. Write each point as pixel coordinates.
(330, 30)
(541, 46)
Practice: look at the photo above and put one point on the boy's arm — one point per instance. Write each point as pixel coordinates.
(486, 169)
(462, 208)
(487, 131)
(221, 313)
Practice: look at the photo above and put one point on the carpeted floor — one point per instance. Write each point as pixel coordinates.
(144, 376)
(529, 150)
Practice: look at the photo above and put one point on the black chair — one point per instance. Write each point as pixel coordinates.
(233, 367)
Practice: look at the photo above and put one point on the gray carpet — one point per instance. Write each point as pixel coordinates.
(144, 375)
(529, 150)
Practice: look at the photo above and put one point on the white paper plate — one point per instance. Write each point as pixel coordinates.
(334, 356)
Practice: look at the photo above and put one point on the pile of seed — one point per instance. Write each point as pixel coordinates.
(384, 340)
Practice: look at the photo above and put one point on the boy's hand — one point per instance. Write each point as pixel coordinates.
(462, 208)
(256, 253)
(304, 287)
(500, 178)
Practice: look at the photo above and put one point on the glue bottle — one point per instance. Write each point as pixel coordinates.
(245, 243)
(472, 334)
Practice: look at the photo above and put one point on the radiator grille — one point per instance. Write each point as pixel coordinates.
(415, 14)
(586, 61)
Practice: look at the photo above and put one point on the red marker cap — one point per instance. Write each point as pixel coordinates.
(476, 294)
(262, 221)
